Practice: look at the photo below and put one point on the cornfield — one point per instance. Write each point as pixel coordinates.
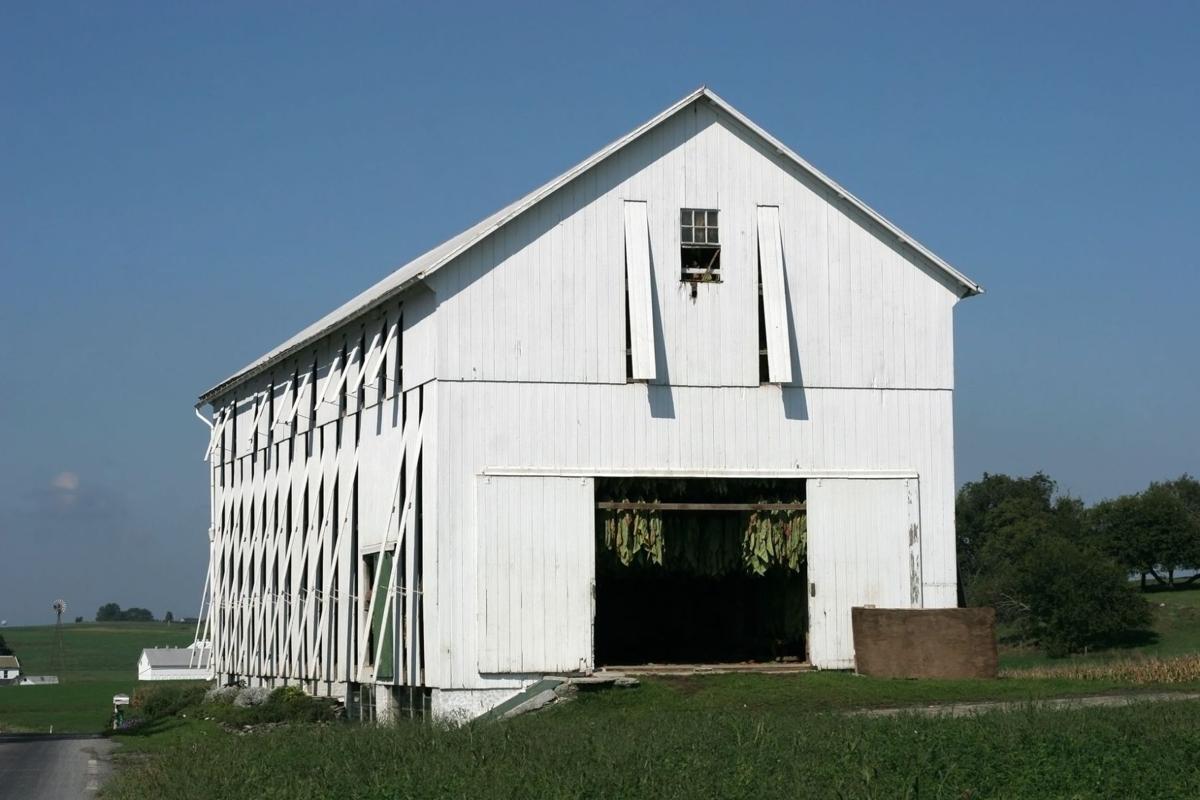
(1179, 669)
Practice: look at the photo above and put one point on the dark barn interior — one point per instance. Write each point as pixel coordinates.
(700, 571)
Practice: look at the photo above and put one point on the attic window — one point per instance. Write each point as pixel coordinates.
(699, 246)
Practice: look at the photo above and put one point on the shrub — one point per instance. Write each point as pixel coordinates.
(166, 699)
(291, 704)
(221, 695)
(1064, 596)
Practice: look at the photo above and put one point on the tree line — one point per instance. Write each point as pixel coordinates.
(111, 612)
(1058, 572)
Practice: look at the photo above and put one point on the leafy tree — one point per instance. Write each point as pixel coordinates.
(991, 510)
(109, 612)
(1067, 597)
(1024, 550)
(1185, 541)
(168, 618)
(1155, 531)
(5, 650)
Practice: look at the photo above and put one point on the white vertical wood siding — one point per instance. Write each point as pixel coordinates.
(518, 350)
(536, 562)
(543, 299)
(861, 536)
(640, 429)
(304, 479)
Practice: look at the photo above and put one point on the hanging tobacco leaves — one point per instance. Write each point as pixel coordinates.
(629, 534)
(709, 543)
(775, 537)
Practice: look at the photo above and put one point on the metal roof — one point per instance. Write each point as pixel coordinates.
(177, 657)
(430, 262)
(9, 662)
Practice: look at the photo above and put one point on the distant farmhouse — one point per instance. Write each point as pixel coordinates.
(10, 669)
(689, 402)
(175, 664)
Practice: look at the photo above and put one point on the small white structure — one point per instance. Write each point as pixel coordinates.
(37, 680)
(10, 669)
(175, 664)
(405, 494)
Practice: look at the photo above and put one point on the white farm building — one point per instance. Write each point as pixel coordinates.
(10, 669)
(175, 664)
(689, 402)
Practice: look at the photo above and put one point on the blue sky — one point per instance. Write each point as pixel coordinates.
(182, 186)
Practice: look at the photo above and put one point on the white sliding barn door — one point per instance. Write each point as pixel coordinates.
(536, 565)
(864, 549)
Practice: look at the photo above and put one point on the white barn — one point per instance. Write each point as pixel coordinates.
(411, 497)
(175, 664)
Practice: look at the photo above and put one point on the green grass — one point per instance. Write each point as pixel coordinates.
(665, 740)
(1176, 632)
(737, 735)
(98, 661)
(839, 691)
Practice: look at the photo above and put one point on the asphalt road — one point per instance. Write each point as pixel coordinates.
(50, 767)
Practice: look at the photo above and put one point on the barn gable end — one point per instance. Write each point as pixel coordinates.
(544, 297)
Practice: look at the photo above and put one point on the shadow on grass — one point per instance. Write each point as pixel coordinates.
(1179, 588)
(1130, 640)
(1127, 640)
(149, 727)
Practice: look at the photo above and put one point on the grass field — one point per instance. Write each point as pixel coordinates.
(752, 736)
(98, 661)
(716, 736)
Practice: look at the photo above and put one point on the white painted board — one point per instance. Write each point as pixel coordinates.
(861, 533)
(770, 264)
(638, 280)
(536, 566)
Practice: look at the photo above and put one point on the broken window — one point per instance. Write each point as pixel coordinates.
(699, 245)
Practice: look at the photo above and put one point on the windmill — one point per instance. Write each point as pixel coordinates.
(59, 607)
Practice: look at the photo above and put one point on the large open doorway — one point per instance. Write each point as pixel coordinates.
(700, 571)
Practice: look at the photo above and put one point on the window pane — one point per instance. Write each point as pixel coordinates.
(712, 235)
(685, 235)
(685, 216)
(712, 218)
